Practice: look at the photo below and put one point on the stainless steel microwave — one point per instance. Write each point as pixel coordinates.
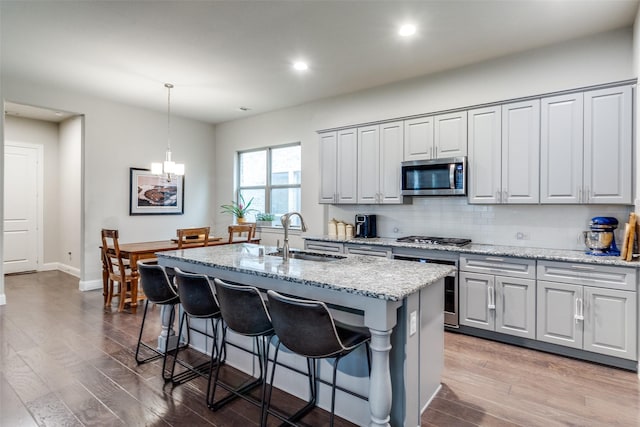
(437, 177)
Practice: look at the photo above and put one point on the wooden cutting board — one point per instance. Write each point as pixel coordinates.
(632, 236)
(625, 242)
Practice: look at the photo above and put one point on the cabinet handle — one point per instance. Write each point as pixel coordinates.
(579, 194)
(492, 298)
(579, 316)
(588, 196)
(436, 152)
(506, 196)
(582, 267)
(494, 259)
(498, 196)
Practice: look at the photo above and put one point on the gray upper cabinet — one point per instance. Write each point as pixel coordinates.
(380, 150)
(607, 145)
(339, 166)
(328, 167)
(561, 149)
(504, 146)
(521, 152)
(485, 155)
(418, 138)
(436, 137)
(586, 154)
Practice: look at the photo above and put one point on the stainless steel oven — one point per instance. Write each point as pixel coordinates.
(451, 315)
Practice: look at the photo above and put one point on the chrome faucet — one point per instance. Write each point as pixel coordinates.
(286, 222)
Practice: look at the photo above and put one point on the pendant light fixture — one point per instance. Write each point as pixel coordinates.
(168, 167)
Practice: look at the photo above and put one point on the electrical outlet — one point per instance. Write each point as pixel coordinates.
(521, 235)
(413, 323)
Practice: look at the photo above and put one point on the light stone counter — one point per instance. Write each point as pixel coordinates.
(400, 303)
(492, 250)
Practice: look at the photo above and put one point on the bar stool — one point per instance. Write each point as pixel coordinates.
(245, 313)
(197, 297)
(306, 327)
(159, 290)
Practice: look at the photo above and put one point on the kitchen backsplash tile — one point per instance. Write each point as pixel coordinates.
(540, 226)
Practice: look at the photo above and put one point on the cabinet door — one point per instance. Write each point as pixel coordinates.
(328, 167)
(391, 154)
(485, 136)
(521, 152)
(347, 165)
(418, 142)
(610, 322)
(561, 142)
(368, 164)
(450, 135)
(477, 294)
(607, 145)
(558, 313)
(516, 306)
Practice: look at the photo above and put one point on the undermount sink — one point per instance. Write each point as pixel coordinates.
(309, 256)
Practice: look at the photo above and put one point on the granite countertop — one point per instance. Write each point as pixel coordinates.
(364, 275)
(565, 255)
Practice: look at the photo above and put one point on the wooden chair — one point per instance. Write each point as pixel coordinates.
(242, 233)
(197, 236)
(118, 271)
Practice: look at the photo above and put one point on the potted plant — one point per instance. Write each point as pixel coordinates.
(239, 209)
(264, 219)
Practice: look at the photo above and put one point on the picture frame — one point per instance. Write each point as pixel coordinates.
(151, 194)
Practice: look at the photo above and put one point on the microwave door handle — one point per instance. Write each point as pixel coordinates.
(452, 174)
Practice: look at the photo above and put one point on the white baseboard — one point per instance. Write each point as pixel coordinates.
(3, 299)
(89, 285)
(51, 266)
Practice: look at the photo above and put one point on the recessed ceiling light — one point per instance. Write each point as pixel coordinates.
(407, 30)
(300, 66)
(244, 108)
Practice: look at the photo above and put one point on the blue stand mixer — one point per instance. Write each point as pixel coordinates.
(600, 238)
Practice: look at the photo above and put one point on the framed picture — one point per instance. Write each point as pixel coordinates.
(154, 195)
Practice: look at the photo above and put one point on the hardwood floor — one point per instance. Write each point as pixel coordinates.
(66, 361)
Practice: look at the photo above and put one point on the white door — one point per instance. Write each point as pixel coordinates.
(22, 190)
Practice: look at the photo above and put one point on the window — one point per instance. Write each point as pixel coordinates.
(272, 177)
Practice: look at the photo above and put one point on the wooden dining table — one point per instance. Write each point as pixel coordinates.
(137, 251)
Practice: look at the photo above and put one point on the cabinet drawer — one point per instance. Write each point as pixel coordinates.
(602, 276)
(381, 251)
(324, 246)
(504, 266)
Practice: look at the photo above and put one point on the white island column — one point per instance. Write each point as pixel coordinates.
(380, 385)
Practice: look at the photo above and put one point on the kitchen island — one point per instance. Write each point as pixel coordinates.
(401, 304)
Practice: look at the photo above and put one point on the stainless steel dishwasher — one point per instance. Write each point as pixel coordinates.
(451, 314)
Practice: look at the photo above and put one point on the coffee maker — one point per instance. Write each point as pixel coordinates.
(600, 238)
(365, 225)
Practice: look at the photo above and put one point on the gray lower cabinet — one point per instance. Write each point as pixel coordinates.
(370, 250)
(495, 300)
(313, 245)
(587, 307)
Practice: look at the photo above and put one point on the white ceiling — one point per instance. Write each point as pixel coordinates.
(222, 55)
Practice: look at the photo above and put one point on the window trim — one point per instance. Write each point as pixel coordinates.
(268, 187)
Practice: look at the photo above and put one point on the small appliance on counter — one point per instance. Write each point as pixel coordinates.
(366, 225)
(600, 238)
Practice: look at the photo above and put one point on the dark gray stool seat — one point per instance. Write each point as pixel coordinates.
(197, 297)
(244, 312)
(306, 327)
(159, 290)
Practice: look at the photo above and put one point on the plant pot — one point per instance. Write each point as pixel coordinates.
(241, 220)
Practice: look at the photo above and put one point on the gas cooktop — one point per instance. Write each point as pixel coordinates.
(428, 240)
